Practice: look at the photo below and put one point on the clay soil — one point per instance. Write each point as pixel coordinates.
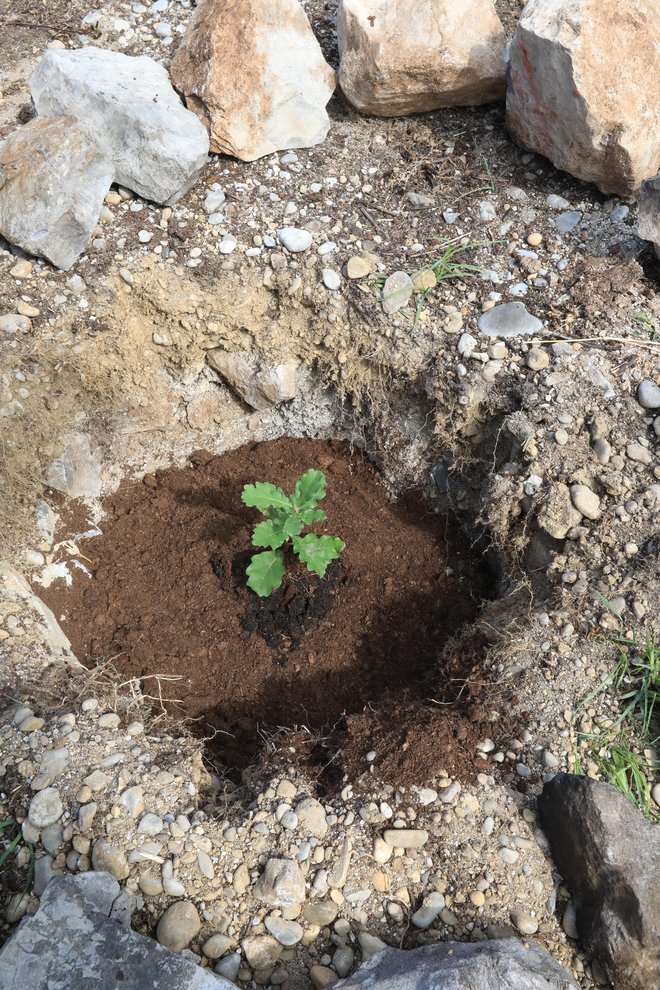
(168, 597)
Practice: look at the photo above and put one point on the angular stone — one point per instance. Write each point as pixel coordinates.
(397, 291)
(508, 320)
(77, 471)
(409, 56)
(502, 964)
(53, 179)
(261, 951)
(648, 207)
(260, 385)
(76, 926)
(608, 854)
(311, 817)
(127, 106)
(557, 514)
(282, 884)
(562, 103)
(241, 67)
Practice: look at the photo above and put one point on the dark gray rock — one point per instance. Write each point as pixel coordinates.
(648, 225)
(503, 964)
(80, 938)
(609, 855)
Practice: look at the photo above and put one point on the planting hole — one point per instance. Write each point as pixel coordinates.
(356, 661)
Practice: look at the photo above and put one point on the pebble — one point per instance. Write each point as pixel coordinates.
(150, 885)
(507, 855)
(150, 824)
(106, 856)
(534, 239)
(294, 239)
(205, 865)
(46, 808)
(568, 921)
(22, 269)
(585, 501)
(178, 926)
(448, 794)
(655, 793)
(524, 922)
(556, 202)
(358, 267)
(406, 838)
(431, 907)
(13, 323)
(25, 309)
(282, 884)
(342, 960)
(487, 211)
(229, 966)
(109, 721)
(216, 946)
(424, 279)
(370, 944)
(467, 345)
(331, 279)
(321, 913)
(568, 220)
(311, 817)
(636, 452)
(397, 291)
(648, 394)
(287, 933)
(322, 976)
(261, 952)
(509, 320)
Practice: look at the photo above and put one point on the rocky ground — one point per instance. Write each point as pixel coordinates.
(552, 445)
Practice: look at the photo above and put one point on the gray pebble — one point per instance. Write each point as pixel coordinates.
(287, 933)
(294, 239)
(567, 221)
(648, 394)
(229, 966)
(557, 202)
(150, 824)
(397, 292)
(13, 323)
(45, 808)
(331, 279)
(178, 926)
(509, 320)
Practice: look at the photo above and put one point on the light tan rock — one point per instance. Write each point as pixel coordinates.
(255, 75)
(584, 88)
(260, 385)
(408, 56)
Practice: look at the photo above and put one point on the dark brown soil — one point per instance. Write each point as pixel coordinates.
(358, 651)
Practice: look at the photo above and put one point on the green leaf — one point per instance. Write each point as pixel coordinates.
(264, 496)
(269, 534)
(309, 516)
(309, 489)
(293, 525)
(317, 551)
(265, 572)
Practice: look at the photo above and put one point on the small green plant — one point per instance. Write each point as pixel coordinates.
(624, 753)
(286, 517)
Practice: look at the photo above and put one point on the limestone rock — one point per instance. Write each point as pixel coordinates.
(127, 106)
(261, 385)
(648, 225)
(282, 884)
(75, 931)
(569, 100)
(408, 56)
(53, 179)
(503, 964)
(557, 514)
(77, 471)
(255, 76)
(509, 320)
(608, 854)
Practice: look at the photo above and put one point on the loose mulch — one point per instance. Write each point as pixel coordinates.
(353, 660)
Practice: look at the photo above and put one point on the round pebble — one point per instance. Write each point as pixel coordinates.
(294, 239)
(178, 926)
(45, 808)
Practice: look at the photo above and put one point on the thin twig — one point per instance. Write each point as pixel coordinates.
(601, 340)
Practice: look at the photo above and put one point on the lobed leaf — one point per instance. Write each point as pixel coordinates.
(265, 496)
(317, 551)
(310, 488)
(269, 534)
(309, 516)
(265, 572)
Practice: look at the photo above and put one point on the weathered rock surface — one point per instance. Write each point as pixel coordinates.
(648, 224)
(568, 98)
(255, 75)
(77, 930)
(52, 182)
(127, 106)
(609, 856)
(504, 964)
(408, 56)
(261, 386)
(282, 884)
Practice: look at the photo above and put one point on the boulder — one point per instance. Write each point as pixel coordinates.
(609, 856)
(125, 104)
(504, 964)
(255, 75)
(260, 385)
(408, 56)
(648, 224)
(81, 936)
(584, 89)
(53, 180)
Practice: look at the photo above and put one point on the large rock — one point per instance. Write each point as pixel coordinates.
(648, 224)
(408, 56)
(52, 183)
(260, 385)
(81, 937)
(127, 106)
(584, 88)
(609, 856)
(505, 964)
(255, 75)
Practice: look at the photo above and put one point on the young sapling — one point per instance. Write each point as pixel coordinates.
(286, 517)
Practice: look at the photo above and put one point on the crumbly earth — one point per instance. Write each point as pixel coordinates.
(113, 370)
